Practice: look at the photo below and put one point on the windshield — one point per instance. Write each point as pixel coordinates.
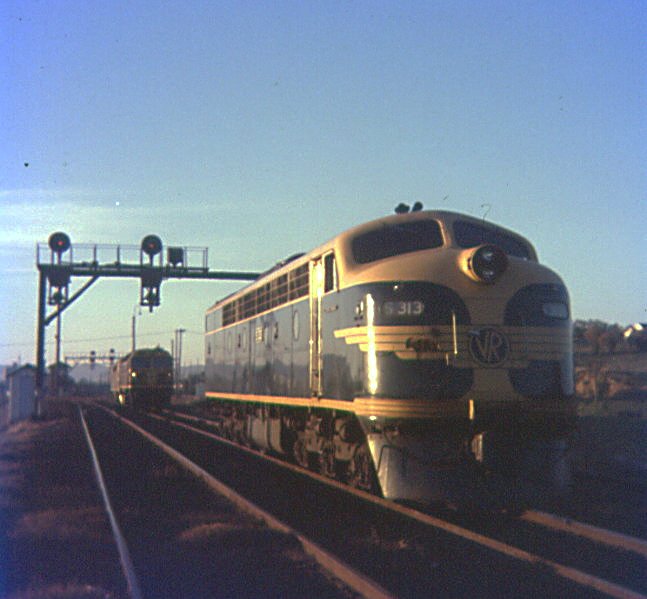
(162, 362)
(470, 235)
(393, 240)
(151, 361)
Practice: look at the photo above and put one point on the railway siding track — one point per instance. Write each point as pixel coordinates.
(581, 548)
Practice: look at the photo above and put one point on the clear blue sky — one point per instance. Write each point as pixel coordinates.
(262, 129)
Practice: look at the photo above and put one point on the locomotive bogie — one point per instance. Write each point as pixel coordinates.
(265, 432)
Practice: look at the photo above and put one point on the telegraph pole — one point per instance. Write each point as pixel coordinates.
(57, 380)
(178, 354)
(134, 328)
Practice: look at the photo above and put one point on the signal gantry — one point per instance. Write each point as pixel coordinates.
(59, 261)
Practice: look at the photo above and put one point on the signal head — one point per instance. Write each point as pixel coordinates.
(59, 242)
(151, 245)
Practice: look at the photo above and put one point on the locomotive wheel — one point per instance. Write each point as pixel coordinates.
(327, 462)
(229, 431)
(361, 474)
(300, 453)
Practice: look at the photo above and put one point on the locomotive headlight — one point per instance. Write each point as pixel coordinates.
(484, 264)
(555, 310)
(133, 375)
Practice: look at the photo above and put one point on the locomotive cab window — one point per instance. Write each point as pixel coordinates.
(330, 273)
(470, 235)
(393, 240)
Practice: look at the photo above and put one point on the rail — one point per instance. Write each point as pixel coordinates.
(357, 581)
(576, 575)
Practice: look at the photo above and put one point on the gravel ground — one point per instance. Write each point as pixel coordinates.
(55, 539)
(186, 541)
(407, 558)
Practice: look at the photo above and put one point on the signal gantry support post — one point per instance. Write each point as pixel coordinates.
(63, 261)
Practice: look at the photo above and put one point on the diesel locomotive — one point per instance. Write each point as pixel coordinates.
(143, 379)
(423, 356)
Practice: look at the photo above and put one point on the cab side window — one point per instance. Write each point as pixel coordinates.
(330, 273)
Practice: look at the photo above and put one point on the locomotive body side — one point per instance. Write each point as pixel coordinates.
(381, 358)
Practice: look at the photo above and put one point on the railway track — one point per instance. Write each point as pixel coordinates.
(148, 575)
(578, 559)
(132, 582)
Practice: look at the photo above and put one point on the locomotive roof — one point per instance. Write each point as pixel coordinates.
(146, 351)
(342, 241)
(445, 217)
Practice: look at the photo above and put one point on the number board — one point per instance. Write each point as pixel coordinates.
(403, 308)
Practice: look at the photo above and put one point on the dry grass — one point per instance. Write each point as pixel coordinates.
(61, 525)
(64, 591)
(26, 430)
(203, 532)
(203, 526)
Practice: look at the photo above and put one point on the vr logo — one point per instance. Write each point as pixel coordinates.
(489, 346)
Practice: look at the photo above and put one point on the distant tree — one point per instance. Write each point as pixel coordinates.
(636, 336)
(600, 336)
(609, 339)
(592, 335)
(579, 328)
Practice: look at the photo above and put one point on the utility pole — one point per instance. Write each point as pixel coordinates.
(56, 373)
(178, 354)
(133, 331)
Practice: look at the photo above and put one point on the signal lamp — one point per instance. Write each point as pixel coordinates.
(59, 242)
(152, 297)
(151, 245)
(484, 264)
(175, 256)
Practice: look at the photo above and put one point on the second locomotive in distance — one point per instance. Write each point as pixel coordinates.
(143, 379)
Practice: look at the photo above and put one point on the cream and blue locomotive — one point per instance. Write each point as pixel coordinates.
(143, 379)
(423, 356)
